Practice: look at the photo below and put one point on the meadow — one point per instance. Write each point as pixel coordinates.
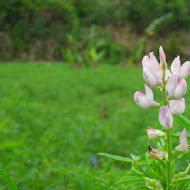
(61, 118)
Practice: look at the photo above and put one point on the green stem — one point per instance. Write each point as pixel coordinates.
(169, 160)
(168, 140)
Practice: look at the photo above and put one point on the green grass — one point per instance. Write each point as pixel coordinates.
(63, 117)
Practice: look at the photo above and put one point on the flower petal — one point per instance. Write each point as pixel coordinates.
(176, 66)
(183, 137)
(146, 61)
(167, 74)
(177, 106)
(150, 97)
(162, 57)
(171, 85)
(149, 93)
(154, 133)
(158, 73)
(149, 78)
(165, 117)
(141, 100)
(180, 89)
(153, 60)
(185, 70)
(183, 146)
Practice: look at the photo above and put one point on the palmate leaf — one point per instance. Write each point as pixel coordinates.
(115, 157)
(8, 180)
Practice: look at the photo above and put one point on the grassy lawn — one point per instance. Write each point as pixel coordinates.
(62, 118)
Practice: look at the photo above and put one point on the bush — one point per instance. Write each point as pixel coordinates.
(27, 21)
(91, 48)
(141, 14)
(65, 29)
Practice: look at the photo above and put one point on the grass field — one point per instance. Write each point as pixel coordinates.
(63, 117)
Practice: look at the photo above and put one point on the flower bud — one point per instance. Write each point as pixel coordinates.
(178, 176)
(163, 63)
(154, 133)
(176, 89)
(177, 106)
(183, 146)
(165, 117)
(153, 184)
(145, 100)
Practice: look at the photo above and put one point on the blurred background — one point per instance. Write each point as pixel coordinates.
(56, 117)
(96, 31)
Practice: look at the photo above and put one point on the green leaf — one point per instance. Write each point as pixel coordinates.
(177, 135)
(115, 157)
(185, 179)
(130, 179)
(135, 158)
(184, 120)
(8, 180)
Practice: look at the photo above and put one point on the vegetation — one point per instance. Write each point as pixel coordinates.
(79, 31)
(62, 123)
(56, 118)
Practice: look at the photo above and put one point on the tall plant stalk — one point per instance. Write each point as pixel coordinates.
(168, 135)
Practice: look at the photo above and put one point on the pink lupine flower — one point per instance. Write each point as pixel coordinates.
(163, 63)
(165, 117)
(181, 71)
(145, 100)
(154, 133)
(177, 106)
(167, 74)
(183, 146)
(176, 89)
(152, 73)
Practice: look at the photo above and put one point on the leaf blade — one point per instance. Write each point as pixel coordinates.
(115, 157)
(8, 180)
